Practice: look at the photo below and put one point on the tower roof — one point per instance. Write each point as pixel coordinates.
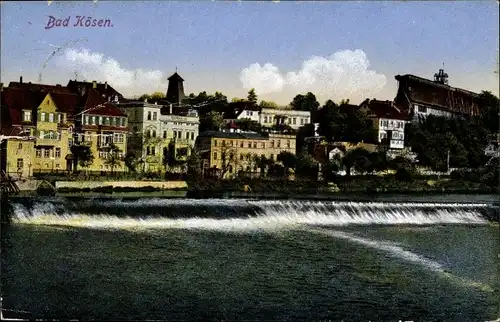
(175, 77)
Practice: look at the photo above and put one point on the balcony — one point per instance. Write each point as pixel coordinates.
(152, 159)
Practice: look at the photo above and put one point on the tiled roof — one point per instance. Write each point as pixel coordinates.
(385, 109)
(175, 77)
(14, 100)
(427, 92)
(103, 89)
(42, 87)
(233, 135)
(66, 103)
(107, 109)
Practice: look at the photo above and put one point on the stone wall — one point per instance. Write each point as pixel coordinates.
(129, 184)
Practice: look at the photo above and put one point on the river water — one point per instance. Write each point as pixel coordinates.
(388, 259)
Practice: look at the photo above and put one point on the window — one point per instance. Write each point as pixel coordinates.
(215, 155)
(215, 142)
(175, 135)
(179, 134)
(279, 143)
(153, 150)
(103, 155)
(301, 121)
(249, 144)
(192, 136)
(42, 134)
(106, 121)
(294, 120)
(46, 153)
(59, 118)
(154, 116)
(20, 163)
(272, 144)
(255, 145)
(154, 133)
(51, 117)
(58, 135)
(241, 144)
(27, 116)
(100, 120)
(58, 152)
(265, 119)
(149, 116)
(187, 135)
(42, 117)
(223, 142)
(122, 121)
(148, 150)
(20, 146)
(113, 121)
(38, 153)
(263, 145)
(164, 134)
(288, 144)
(51, 135)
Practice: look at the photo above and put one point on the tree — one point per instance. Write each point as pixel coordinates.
(268, 104)
(288, 159)
(82, 156)
(252, 97)
(228, 160)
(113, 157)
(357, 158)
(194, 165)
(306, 165)
(262, 163)
(156, 96)
(306, 102)
(131, 162)
(212, 121)
(248, 125)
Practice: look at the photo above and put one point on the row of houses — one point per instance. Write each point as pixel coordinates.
(43, 125)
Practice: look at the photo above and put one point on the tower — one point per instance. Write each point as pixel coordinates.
(175, 91)
(441, 77)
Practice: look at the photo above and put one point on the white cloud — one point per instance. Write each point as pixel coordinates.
(95, 66)
(345, 74)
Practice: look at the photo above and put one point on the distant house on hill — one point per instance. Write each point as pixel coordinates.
(420, 97)
(104, 90)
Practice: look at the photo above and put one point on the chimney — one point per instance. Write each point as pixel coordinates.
(105, 85)
(21, 79)
(1, 87)
(94, 84)
(170, 109)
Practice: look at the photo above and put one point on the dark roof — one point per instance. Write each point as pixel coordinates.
(348, 107)
(175, 77)
(385, 109)
(14, 100)
(103, 89)
(66, 103)
(42, 87)
(420, 90)
(106, 109)
(233, 135)
(103, 128)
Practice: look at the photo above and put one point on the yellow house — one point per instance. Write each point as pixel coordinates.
(100, 128)
(17, 156)
(232, 152)
(53, 132)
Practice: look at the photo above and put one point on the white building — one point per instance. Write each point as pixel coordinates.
(161, 135)
(389, 122)
(267, 117)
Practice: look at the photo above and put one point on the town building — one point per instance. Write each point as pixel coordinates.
(420, 97)
(389, 122)
(43, 118)
(164, 133)
(267, 117)
(233, 152)
(106, 92)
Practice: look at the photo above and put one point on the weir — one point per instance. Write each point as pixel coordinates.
(240, 215)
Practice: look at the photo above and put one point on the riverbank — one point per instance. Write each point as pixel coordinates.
(355, 185)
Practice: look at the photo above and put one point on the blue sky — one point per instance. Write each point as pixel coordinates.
(335, 49)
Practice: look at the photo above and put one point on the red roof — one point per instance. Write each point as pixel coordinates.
(42, 87)
(385, 109)
(14, 100)
(66, 103)
(107, 109)
(423, 91)
(104, 90)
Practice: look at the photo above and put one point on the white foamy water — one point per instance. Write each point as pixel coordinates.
(270, 215)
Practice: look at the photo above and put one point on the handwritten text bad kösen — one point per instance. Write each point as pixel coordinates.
(79, 21)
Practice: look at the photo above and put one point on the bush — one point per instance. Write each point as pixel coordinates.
(404, 174)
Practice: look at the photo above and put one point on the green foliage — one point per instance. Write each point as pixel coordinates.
(252, 96)
(464, 138)
(83, 156)
(288, 159)
(306, 165)
(212, 121)
(306, 102)
(206, 103)
(268, 104)
(131, 162)
(194, 165)
(248, 125)
(113, 157)
(345, 124)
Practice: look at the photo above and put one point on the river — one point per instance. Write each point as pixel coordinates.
(388, 258)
